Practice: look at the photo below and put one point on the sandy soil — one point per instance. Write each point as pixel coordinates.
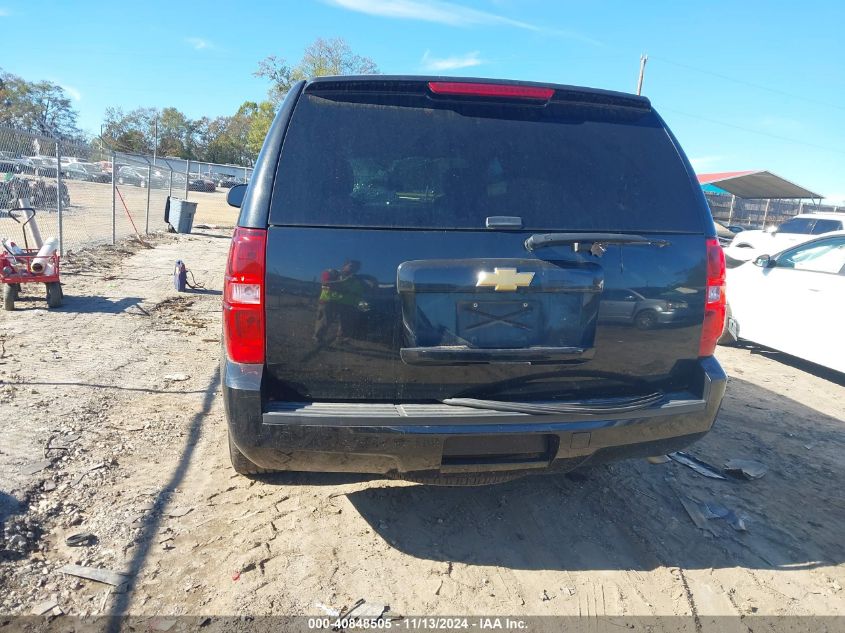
(138, 457)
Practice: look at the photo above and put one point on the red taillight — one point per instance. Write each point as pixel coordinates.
(714, 299)
(243, 297)
(465, 89)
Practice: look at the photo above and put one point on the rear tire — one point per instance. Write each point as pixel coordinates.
(646, 319)
(55, 296)
(242, 464)
(10, 293)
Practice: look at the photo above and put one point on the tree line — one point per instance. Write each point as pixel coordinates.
(44, 108)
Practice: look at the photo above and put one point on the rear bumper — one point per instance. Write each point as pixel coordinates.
(430, 439)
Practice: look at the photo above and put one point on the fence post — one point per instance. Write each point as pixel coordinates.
(59, 194)
(187, 175)
(113, 206)
(149, 187)
(170, 183)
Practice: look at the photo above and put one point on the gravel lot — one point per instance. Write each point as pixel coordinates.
(119, 392)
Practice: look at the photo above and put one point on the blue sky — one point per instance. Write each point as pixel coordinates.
(744, 85)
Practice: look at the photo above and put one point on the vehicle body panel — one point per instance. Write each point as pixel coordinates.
(749, 244)
(794, 310)
(289, 438)
(348, 348)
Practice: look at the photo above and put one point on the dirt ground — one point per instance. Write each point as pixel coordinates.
(88, 219)
(119, 392)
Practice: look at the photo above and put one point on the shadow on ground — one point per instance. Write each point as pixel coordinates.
(629, 515)
(153, 520)
(798, 363)
(9, 506)
(37, 300)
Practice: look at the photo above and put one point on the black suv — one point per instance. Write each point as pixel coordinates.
(416, 283)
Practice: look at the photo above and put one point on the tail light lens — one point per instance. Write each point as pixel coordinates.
(715, 301)
(243, 297)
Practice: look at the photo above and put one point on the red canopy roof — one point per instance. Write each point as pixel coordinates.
(756, 184)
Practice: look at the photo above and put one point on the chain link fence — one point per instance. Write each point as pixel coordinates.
(86, 194)
(730, 209)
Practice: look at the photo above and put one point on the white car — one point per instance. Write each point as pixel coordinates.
(792, 301)
(748, 245)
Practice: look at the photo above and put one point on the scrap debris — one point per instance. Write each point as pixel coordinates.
(363, 610)
(36, 467)
(48, 606)
(747, 468)
(701, 513)
(80, 539)
(702, 468)
(327, 610)
(98, 574)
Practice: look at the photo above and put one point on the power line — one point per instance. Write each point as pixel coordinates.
(748, 83)
(753, 131)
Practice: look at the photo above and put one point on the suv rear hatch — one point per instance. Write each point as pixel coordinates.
(512, 242)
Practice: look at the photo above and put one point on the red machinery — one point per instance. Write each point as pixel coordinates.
(26, 265)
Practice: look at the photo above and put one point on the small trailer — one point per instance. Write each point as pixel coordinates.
(26, 265)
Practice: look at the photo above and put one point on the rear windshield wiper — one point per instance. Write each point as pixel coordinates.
(597, 242)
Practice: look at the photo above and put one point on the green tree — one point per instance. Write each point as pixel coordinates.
(259, 124)
(321, 58)
(173, 131)
(129, 131)
(40, 107)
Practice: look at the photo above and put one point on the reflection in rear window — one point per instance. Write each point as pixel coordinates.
(421, 165)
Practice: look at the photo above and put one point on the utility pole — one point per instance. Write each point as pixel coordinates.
(59, 205)
(643, 61)
(155, 139)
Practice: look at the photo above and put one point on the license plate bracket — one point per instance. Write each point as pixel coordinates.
(499, 324)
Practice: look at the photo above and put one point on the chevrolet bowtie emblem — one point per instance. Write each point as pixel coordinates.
(503, 279)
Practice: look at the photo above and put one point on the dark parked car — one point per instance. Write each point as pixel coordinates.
(90, 172)
(195, 183)
(227, 182)
(415, 283)
(201, 183)
(723, 233)
(43, 166)
(15, 164)
(132, 175)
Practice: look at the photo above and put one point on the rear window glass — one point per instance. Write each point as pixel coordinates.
(424, 165)
(798, 225)
(826, 226)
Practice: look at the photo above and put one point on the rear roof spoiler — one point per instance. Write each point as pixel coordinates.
(418, 85)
